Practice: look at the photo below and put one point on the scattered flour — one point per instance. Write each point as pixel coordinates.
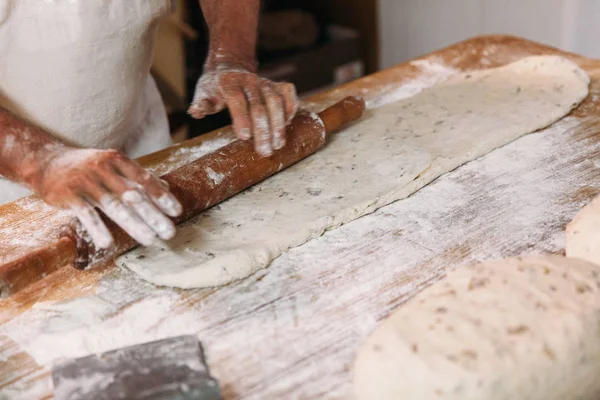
(433, 71)
(215, 177)
(91, 325)
(85, 384)
(35, 225)
(186, 155)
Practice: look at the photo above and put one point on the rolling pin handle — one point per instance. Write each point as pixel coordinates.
(20, 273)
(342, 113)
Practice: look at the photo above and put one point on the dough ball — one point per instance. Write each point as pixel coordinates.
(583, 234)
(521, 328)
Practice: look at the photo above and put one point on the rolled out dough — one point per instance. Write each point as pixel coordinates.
(583, 234)
(522, 328)
(393, 152)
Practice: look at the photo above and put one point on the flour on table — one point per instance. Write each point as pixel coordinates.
(393, 152)
(432, 73)
(583, 234)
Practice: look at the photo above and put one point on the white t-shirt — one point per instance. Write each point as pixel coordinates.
(80, 70)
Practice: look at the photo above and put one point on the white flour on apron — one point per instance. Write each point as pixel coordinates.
(80, 70)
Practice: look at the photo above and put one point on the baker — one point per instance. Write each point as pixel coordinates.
(77, 103)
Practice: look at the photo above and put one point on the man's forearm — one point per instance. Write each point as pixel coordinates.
(24, 148)
(233, 29)
(260, 108)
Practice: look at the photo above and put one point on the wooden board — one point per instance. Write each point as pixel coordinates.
(292, 330)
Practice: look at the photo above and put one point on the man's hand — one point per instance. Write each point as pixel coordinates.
(259, 107)
(82, 179)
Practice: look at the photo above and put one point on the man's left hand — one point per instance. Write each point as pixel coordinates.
(259, 108)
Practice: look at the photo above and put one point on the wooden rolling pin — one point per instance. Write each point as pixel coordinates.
(199, 185)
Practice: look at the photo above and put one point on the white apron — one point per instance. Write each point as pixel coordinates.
(80, 70)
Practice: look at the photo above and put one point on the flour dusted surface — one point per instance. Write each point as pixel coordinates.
(303, 319)
(394, 151)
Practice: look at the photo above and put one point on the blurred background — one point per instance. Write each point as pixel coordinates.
(319, 44)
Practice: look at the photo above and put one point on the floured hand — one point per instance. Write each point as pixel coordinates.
(135, 199)
(259, 108)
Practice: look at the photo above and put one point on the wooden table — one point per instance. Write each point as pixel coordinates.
(292, 330)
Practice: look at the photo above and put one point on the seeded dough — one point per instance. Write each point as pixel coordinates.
(393, 152)
(583, 234)
(511, 329)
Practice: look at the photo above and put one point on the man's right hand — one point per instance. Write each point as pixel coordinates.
(81, 180)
